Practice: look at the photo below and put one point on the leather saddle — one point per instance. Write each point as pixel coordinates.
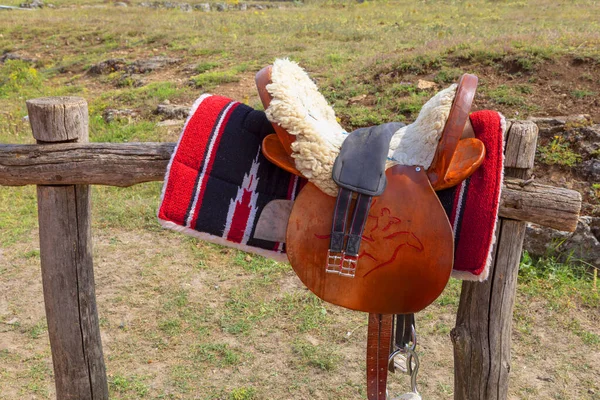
(384, 245)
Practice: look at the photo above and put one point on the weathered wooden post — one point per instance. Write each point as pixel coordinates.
(66, 259)
(482, 335)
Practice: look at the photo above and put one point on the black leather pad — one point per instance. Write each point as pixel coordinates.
(360, 166)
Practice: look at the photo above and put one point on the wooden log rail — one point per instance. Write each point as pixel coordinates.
(126, 164)
(63, 164)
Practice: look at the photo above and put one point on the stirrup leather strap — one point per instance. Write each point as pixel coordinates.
(378, 350)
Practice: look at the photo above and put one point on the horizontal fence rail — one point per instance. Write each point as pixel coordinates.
(126, 164)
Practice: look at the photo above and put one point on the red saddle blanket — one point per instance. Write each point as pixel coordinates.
(218, 182)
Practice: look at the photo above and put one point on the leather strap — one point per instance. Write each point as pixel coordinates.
(403, 334)
(378, 348)
(359, 219)
(340, 216)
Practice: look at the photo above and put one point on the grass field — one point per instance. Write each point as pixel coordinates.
(183, 319)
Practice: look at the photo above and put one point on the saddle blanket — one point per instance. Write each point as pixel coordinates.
(218, 182)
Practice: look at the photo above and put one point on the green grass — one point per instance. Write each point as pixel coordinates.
(506, 95)
(582, 94)
(207, 66)
(216, 354)
(122, 131)
(448, 75)
(260, 266)
(127, 208)
(322, 357)
(17, 78)
(243, 393)
(558, 152)
(559, 282)
(38, 329)
(211, 79)
(128, 385)
(18, 213)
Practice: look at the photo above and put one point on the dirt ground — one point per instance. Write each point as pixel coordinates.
(155, 349)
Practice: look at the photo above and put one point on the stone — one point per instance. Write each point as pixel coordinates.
(173, 111)
(591, 169)
(108, 66)
(113, 114)
(32, 4)
(243, 6)
(221, 6)
(357, 99)
(595, 227)
(120, 4)
(205, 7)
(14, 56)
(588, 140)
(150, 64)
(548, 126)
(130, 80)
(190, 68)
(185, 7)
(583, 244)
(424, 85)
(579, 120)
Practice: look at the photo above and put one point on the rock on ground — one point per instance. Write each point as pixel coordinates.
(583, 244)
(137, 67)
(112, 114)
(14, 56)
(173, 111)
(151, 64)
(108, 66)
(32, 4)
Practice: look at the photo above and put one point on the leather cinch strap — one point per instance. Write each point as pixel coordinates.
(359, 220)
(403, 332)
(378, 350)
(340, 216)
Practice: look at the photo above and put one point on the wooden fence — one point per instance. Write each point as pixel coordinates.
(62, 164)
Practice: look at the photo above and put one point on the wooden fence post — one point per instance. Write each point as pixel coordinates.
(66, 259)
(482, 335)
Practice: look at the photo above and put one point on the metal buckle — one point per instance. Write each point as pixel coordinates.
(334, 262)
(349, 264)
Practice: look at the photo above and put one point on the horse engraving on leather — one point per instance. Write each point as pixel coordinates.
(406, 251)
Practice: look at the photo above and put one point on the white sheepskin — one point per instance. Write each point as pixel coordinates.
(415, 144)
(301, 109)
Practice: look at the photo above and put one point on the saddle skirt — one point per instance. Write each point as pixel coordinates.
(218, 183)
